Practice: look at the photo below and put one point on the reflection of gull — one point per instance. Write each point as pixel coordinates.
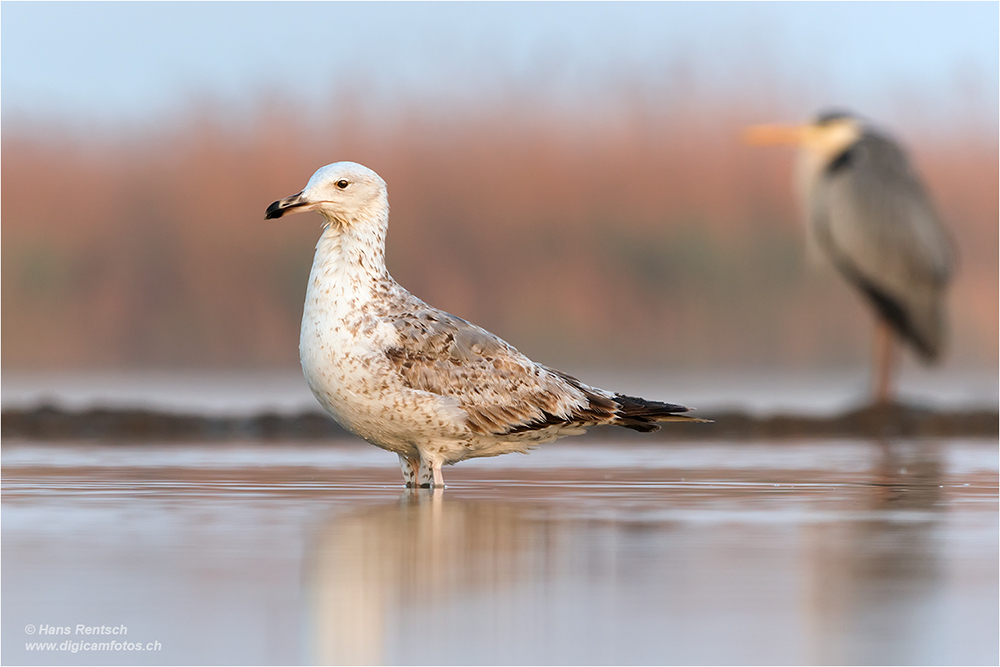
(412, 379)
(426, 551)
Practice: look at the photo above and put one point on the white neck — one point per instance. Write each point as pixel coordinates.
(347, 274)
(349, 260)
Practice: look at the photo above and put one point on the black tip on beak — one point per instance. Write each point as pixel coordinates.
(282, 206)
(275, 210)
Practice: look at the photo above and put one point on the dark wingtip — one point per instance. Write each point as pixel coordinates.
(640, 414)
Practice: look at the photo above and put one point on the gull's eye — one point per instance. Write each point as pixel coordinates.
(342, 184)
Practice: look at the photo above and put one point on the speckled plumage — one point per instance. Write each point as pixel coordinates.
(415, 380)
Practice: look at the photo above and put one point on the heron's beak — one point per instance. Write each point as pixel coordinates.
(769, 135)
(292, 204)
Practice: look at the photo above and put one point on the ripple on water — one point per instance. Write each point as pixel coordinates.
(597, 552)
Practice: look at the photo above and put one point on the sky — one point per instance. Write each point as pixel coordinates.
(141, 62)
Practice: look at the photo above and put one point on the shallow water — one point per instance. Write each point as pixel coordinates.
(596, 552)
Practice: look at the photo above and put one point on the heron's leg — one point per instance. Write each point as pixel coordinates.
(884, 361)
(410, 469)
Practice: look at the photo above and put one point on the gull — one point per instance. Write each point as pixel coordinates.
(415, 380)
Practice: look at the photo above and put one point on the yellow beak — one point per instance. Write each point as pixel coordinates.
(770, 135)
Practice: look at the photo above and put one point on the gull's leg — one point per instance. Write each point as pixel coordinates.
(425, 475)
(409, 469)
(438, 477)
(883, 361)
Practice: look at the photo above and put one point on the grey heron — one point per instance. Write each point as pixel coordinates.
(869, 213)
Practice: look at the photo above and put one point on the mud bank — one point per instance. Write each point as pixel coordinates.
(52, 423)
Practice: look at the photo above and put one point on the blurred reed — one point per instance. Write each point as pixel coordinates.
(646, 235)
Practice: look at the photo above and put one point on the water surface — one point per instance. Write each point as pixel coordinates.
(597, 552)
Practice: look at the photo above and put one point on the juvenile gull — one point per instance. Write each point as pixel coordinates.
(415, 380)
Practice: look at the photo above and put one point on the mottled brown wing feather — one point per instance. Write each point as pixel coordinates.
(500, 389)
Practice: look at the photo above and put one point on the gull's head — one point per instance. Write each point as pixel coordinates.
(341, 192)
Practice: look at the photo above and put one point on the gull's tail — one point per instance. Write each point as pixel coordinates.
(642, 415)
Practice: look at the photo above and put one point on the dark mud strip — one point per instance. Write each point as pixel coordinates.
(873, 421)
(51, 423)
(55, 424)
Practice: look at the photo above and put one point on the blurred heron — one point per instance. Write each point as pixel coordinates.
(868, 212)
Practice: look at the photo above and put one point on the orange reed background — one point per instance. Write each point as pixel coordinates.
(647, 236)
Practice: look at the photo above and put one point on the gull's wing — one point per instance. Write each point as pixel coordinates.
(501, 390)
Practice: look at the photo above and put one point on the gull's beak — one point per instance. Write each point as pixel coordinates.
(769, 135)
(292, 204)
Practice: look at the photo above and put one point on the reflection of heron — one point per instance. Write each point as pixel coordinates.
(872, 576)
(871, 216)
